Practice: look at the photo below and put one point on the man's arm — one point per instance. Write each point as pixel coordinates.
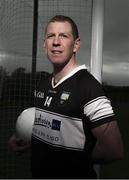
(109, 145)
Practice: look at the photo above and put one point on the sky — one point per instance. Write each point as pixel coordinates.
(116, 42)
(16, 40)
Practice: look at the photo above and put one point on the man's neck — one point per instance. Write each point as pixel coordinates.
(62, 71)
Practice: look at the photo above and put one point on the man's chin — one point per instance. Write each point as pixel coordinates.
(59, 65)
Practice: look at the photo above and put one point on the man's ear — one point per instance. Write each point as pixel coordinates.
(76, 45)
(44, 46)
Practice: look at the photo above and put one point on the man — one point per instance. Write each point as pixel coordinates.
(75, 126)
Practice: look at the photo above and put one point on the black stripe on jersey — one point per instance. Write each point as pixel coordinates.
(101, 97)
(102, 117)
(101, 122)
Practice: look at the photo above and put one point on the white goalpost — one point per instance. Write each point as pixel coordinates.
(97, 39)
(97, 46)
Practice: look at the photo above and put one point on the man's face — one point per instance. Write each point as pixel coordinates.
(59, 43)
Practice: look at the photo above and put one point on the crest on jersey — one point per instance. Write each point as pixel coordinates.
(64, 97)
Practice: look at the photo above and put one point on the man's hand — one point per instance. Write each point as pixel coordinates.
(18, 145)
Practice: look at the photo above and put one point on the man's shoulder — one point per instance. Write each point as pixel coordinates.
(88, 85)
(86, 78)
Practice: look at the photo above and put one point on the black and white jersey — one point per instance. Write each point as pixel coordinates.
(65, 114)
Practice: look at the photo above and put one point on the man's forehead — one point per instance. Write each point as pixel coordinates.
(59, 25)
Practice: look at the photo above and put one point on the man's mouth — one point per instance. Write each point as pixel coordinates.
(56, 51)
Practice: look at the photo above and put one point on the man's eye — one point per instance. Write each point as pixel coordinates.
(63, 36)
(50, 36)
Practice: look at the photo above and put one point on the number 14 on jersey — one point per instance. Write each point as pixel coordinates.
(48, 101)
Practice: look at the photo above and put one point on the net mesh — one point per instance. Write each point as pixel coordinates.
(16, 78)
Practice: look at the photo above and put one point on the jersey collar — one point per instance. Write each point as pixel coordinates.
(68, 75)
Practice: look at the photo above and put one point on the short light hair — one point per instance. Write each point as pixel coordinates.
(62, 18)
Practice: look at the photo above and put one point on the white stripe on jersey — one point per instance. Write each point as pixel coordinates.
(98, 108)
(59, 130)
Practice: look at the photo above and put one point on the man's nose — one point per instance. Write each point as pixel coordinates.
(56, 41)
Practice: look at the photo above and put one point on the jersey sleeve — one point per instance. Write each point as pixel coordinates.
(98, 107)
